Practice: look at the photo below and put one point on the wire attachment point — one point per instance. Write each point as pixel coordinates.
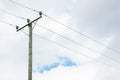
(17, 27)
(28, 20)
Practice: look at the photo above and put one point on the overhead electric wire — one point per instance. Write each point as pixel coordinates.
(82, 54)
(65, 26)
(12, 14)
(51, 41)
(17, 16)
(8, 23)
(58, 44)
(23, 6)
(79, 44)
(66, 38)
(86, 36)
(23, 31)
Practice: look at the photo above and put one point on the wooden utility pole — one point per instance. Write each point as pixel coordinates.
(30, 51)
(30, 44)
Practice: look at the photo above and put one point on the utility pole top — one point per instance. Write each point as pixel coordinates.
(28, 20)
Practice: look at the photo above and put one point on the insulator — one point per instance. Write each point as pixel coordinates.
(40, 13)
(17, 27)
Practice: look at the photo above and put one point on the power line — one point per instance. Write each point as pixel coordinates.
(57, 44)
(63, 37)
(23, 31)
(71, 50)
(16, 16)
(78, 43)
(59, 35)
(86, 36)
(23, 6)
(8, 23)
(12, 14)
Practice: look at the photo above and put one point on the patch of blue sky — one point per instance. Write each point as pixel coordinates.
(48, 68)
(67, 62)
(63, 61)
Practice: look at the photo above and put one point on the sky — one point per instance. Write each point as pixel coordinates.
(98, 19)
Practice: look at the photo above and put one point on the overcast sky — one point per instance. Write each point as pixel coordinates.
(98, 19)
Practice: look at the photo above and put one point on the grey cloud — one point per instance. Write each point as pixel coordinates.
(99, 19)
